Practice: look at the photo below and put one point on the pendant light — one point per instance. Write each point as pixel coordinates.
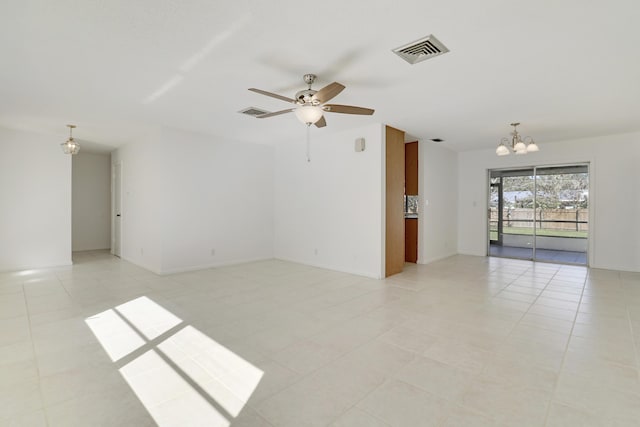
(70, 146)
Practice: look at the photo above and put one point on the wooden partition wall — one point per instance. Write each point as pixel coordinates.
(411, 189)
(394, 230)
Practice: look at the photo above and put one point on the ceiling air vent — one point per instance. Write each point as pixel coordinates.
(421, 50)
(253, 111)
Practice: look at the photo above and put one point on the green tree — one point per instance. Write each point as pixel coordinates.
(553, 191)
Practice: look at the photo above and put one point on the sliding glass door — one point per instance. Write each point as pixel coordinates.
(495, 206)
(562, 214)
(514, 216)
(539, 213)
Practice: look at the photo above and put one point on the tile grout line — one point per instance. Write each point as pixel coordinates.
(35, 357)
(309, 374)
(634, 340)
(564, 354)
(355, 405)
(449, 402)
(534, 301)
(570, 332)
(341, 356)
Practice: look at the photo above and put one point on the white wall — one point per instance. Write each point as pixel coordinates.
(186, 195)
(328, 212)
(217, 196)
(614, 195)
(35, 198)
(438, 187)
(91, 201)
(141, 196)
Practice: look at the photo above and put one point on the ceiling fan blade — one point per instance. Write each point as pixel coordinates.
(328, 92)
(273, 95)
(347, 109)
(276, 113)
(321, 123)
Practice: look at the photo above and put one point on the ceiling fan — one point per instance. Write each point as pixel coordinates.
(311, 104)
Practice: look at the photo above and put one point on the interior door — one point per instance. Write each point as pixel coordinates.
(117, 210)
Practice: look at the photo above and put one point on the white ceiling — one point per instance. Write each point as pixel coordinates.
(565, 69)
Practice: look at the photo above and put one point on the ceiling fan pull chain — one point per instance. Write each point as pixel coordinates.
(308, 130)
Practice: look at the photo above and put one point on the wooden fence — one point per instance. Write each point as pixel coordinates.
(549, 219)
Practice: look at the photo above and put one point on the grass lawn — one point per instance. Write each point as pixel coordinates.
(540, 232)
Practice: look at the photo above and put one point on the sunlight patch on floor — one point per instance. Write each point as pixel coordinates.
(219, 371)
(185, 378)
(148, 317)
(116, 337)
(167, 396)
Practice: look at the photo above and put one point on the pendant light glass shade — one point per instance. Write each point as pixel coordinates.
(70, 146)
(532, 147)
(502, 150)
(519, 147)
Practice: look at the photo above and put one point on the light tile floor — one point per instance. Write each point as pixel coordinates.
(466, 341)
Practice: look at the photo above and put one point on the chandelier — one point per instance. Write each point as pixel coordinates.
(70, 146)
(516, 144)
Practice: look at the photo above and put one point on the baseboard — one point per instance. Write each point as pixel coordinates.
(141, 265)
(92, 250)
(326, 267)
(212, 265)
(7, 269)
(472, 253)
(438, 258)
(622, 269)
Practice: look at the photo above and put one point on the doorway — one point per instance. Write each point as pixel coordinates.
(90, 201)
(539, 213)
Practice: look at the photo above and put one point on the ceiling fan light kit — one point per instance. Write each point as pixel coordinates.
(308, 114)
(516, 144)
(312, 104)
